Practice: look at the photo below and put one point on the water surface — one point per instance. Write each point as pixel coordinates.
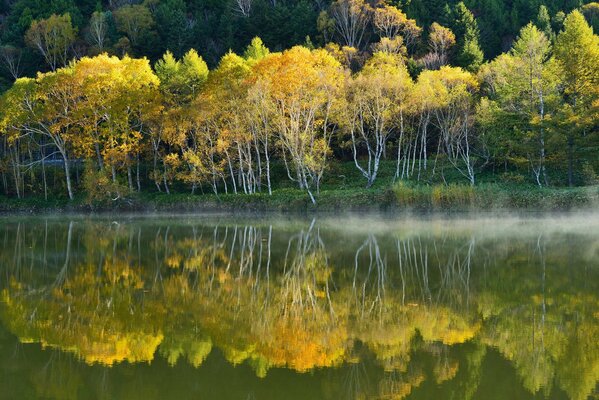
(262, 308)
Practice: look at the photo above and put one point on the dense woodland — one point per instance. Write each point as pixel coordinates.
(214, 96)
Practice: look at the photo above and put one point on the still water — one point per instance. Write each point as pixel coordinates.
(262, 308)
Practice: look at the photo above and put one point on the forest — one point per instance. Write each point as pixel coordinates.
(251, 96)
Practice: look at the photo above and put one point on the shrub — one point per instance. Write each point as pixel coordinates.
(99, 186)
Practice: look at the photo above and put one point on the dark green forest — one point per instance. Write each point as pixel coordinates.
(213, 27)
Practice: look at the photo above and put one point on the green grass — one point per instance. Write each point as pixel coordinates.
(493, 196)
(342, 191)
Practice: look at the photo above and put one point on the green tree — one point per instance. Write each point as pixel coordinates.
(469, 54)
(133, 20)
(171, 17)
(524, 86)
(577, 49)
(181, 79)
(543, 22)
(53, 38)
(591, 13)
(256, 50)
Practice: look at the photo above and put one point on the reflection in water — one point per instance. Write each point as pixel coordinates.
(435, 309)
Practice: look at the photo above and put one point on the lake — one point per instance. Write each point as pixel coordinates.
(224, 307)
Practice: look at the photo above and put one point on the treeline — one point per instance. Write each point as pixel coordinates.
(148, 28)
(532, 110)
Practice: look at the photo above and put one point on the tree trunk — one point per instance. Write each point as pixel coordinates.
(137, 177)
(67, 172)
(570, 160)
(99, 156)
(44, 177)
(130, 177)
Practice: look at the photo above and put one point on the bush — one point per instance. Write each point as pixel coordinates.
(512, 177)
(99, 186)
(435, 196)
(492, 196)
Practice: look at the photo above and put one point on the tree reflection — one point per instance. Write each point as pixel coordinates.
(422, 306)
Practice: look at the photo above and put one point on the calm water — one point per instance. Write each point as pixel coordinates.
(224, 308)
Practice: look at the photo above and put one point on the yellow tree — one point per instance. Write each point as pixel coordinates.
(117, 95)
(375, 99)
(228, 92)
(452, 112)
(259, 115)
(391, 22)
(43, 108)
(304, 88)
(351, 19)
(440, 41)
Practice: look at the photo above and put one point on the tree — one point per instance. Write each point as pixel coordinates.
(390, 22)
(303, 87)
(44, 108)
(577, 49)
(524, 85)
(591, 13)
(375, 96)
(133, 20)
(116, 95)
(98, 29)
(440, 41)
(175, 25)
(351, 21)
(469, 54)
(11, 58)
(256, 51)
(391, 46)
(53, 38)
(182, 79)
(228, 96)
(452, 110)
(543, 22)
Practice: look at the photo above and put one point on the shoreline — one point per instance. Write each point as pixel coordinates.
(407, 200)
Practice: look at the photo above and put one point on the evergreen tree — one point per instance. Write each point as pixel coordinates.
(465, 27)
(543, 22)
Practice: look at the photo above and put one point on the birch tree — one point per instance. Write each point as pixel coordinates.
(453, 115)
(53, 38)
(303, 90)
(352, 18)
(374, 103)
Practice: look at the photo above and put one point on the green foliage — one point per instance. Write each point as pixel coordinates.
(181, 79)
(491, 197)
(465, 27)
(256, 50)
(531, 111)
(99, 188)
(591, 13)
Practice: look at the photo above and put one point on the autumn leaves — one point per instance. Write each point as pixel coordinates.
(222, 130)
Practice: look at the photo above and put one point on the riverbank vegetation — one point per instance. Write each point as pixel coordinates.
(379, 90)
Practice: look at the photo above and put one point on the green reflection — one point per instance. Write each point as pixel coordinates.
(326, 309)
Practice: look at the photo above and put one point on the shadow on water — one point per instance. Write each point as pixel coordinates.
(265, 308)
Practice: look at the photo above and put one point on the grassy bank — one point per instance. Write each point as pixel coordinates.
(399, 197)
(493, 196)
(342, 191)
